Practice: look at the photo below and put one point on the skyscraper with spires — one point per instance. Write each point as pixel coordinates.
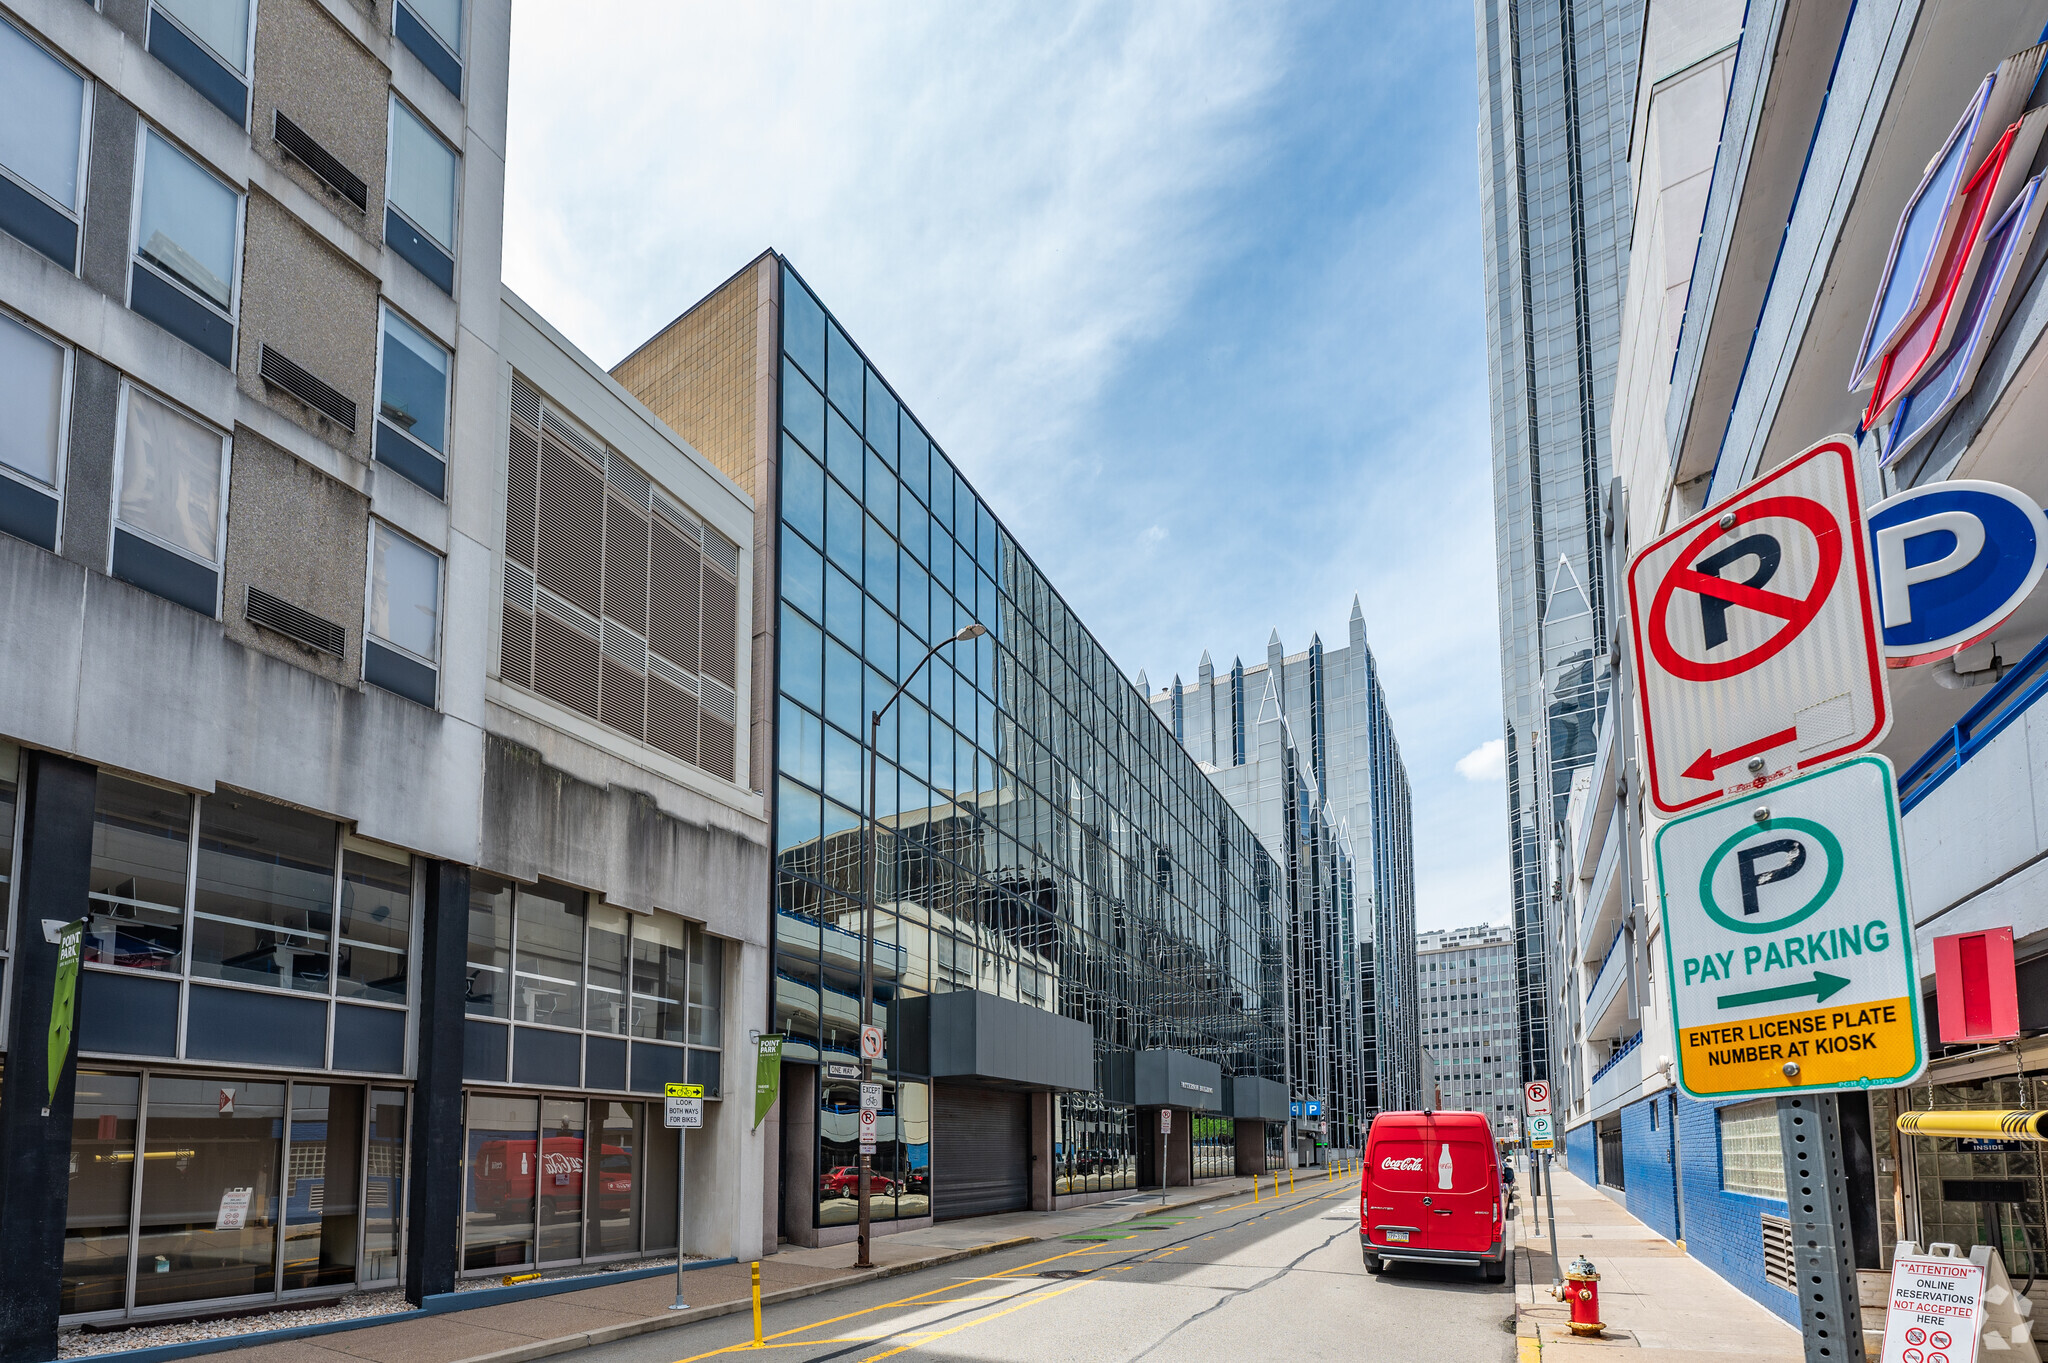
(1303, 747)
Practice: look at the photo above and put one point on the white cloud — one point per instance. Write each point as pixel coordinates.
(1487, 762)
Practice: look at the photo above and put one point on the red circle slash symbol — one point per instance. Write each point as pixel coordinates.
(1940, 1340)
(1796, 612)
(1916, 1335)
(1937, 1357)
(1913, 1356)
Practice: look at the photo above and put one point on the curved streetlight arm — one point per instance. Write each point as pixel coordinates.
(867, 899)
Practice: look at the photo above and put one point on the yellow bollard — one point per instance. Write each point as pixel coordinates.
(1255, 1190)
(757, 1303)
(1290, 1178)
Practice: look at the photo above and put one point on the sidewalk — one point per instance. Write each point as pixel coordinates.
(516, 1331)
(1652, 1295)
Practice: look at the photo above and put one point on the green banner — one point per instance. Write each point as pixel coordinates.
(767, 1076)
(64, 1002)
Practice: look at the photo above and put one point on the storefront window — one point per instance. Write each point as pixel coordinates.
(265, 901)
(101, 1196)
(560, 1200)
(612, 1213)
(384, 1185)
(209, 1189)
(660, 966)
(606, 996)
(547, 983)
(141, 842)
(498, 1208)
(376, 922)
(707, 985)
(323, 1174)
(488, 992)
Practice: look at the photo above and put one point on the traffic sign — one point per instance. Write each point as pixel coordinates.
(868, 1118)
(871, 1042)
(1540, 1137)
(682, 1114)
(1165, 1121)
(1788, 939)
(1536, 1098)
(682, 1090)
(1954, 561)
(1756, 635)
(871, 1097)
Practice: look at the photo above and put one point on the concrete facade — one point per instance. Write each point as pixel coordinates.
(1466, 993)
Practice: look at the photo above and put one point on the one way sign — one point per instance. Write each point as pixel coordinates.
(1756, 635)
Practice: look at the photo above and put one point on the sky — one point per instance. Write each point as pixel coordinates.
(1189, 292)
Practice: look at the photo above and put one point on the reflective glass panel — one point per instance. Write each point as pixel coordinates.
(444, 17)
(223, 25)
(559, 1203)
(209, 1188)
(322, 1179)
(412, 392)
(503, 1162)
(31, 393)
(612, 1216)
(376, 923)
(264, 904)
(42, 113)
(187, 221)
(170, 477)
(422, 181)
(548, 981)
(487, 976)
(707, 988)
(661, 966)
(141, 844)
(99, 1203)
(384, 1185)
(405, 593)
(605, 998)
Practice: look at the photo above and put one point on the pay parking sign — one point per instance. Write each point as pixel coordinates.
(1788, 940)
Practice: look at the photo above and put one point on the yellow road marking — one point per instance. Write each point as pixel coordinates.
(970, 1324)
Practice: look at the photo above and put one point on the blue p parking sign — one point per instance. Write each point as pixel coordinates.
(1954, 560)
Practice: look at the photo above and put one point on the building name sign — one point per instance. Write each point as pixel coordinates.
(1196, 1088)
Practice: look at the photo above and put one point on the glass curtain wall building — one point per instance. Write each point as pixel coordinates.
(1557, 91)
(1043, 841)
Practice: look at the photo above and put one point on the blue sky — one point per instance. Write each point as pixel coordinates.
(1190, 292)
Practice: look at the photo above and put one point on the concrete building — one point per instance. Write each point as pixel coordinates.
(1767, 207)
(1074, 930)
(1469, 1021)
(1303, 747)
(381, 883)
(1556, 88)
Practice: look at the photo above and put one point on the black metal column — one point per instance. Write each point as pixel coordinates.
(35, 1140)
(434, 1199)
(1817, 1200)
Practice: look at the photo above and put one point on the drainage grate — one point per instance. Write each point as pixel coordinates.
(315, 393)
(313, 631)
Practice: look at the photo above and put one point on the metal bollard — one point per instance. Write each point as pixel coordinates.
(757, 1303)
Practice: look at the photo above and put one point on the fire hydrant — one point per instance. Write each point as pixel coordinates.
(1581, 1291)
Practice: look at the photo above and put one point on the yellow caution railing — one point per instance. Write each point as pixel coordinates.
(1982, 1123)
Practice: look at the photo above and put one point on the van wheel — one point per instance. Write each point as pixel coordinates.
(1497, 1273)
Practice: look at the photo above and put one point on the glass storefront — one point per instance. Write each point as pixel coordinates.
(247, 1188)
(555, 1179)
(899, 1182)
(1215, 1147)
(1096, 1146)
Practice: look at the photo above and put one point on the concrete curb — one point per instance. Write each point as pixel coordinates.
(545, 1348)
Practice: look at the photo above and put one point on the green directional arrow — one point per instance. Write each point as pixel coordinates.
(1822, 987)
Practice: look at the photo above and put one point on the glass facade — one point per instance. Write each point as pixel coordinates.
(1043, 837)
(528, 1189)
(1557, 85)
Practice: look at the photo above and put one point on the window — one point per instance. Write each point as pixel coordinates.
(187, 234)
(660, 977)
(43, 112)
(33, 391)
(141, 850)
(419, 216)
(488, 991)
(376, 922)
(170, 482)
(401, 646)
(1752, 1157)
(547, 984)
(432, 31)
(264, 902)
(207, 43)
(412, 404)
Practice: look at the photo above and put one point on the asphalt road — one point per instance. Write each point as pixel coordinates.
(1223, 1281)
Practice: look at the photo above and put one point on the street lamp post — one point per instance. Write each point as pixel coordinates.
(867, 898)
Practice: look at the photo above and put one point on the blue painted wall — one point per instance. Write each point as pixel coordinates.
(1721, 1229)
(1581, 1154)
(1647, 1167)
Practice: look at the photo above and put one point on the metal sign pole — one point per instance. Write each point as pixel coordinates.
(682, 1150)
(1550, 1198)
(1817, 1201)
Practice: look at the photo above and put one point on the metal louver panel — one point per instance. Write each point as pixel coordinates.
(721, 628)
(632, 484)
(521, 468)
(525, 402)
(677, 517)
(562, 430)
(565, 664)
(515, 649)
(669, 672)
(570, 517)
(1778, 1264)
(718, 702)
(624, 698)
(624, 647)
(279, 372)
(672, 589)
(568, 614)
(671, 719)
(315, 632)
(723, 552)
(625, 564)
(715, 747)
(319, 160)
(518, 587)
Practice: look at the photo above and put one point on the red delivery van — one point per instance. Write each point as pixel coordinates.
(1431, 1192)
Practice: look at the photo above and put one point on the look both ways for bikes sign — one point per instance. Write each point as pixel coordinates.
(1787, 937)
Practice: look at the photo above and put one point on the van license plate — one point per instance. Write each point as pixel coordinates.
(1397, 1237)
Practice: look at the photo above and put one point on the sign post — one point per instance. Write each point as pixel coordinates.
(682, 1110)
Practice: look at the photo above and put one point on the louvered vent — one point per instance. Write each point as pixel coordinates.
(715, 747)
(625, 564)
(315, 632)
(315, 393)
(672, 598)
(319, 160)
(670, 673)
(525, 403)
(671, 719)
(565, 662)
(562, 430)
(721, 628)
(566, 612)
(521, 468)
(723, 552)
(677, 517)
(624, 700)
(718, 702)
(630, 481)
(571, 514)
(515, 650)
(1778, 1265)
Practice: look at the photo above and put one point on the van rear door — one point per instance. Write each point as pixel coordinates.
(1396, 1184)
(1461, 1175)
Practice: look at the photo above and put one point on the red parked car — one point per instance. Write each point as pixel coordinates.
(1431, 1192)
(844, 1181)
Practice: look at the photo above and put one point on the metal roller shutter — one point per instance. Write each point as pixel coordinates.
(981, 1151)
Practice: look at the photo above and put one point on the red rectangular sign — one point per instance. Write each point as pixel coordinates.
(1976, 993)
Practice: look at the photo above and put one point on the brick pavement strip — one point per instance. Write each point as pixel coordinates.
(516, 1332)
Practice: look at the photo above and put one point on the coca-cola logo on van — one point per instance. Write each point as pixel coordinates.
(1413, 1163)
(555, 1163)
